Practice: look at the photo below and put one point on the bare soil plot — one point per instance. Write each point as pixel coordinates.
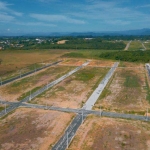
(32, 129)
(130, 64)
(72, 62)
(101, 63)
(126, 92)
(21, 88)
(13, 61)
(74, 91)
(135, 45)
(111, 134)
(62, 42)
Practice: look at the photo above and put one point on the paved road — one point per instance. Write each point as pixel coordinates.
(127, 46)
(65, 140)
(28, 73)
(148, 68)
(13, 106)
(95, 95)
(80, 111)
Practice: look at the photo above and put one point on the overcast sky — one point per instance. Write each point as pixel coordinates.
(27, 16)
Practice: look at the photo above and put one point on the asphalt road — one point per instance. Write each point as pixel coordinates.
(148, 69)
(78, 111)
(28, 73)
(95, 95)
(13, 106)
(65, 140)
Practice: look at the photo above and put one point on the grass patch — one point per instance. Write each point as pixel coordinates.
(28, 93)
(74, 55)
(60, 88)
(148, 90)
(1, 108)
(105, 93)
(135, 45)
(131, 81)
(85, 75)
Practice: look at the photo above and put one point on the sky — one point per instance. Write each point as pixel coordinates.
(47, 16)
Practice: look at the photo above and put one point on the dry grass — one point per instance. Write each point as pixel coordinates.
(126, 92)
(16, 60)
(15, 90)
(75, 90)
(32, 129)
(111, 134)
(72, 62)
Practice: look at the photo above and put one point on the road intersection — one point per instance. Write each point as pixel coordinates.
(82, 113)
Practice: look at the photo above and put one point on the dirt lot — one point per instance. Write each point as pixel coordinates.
(126, 92)
(12, 61)
(62, 42)
(75, 90)
(20, 88)
(92, 63)
(29, 129)
(101, 63)
(111, 134)
(72, 62)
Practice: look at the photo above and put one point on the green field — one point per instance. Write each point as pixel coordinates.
(147, 45)
(135, 45)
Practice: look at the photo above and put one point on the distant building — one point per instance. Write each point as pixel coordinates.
(88, 38)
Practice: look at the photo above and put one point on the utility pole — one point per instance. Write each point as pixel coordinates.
(47, 85)
(46, 105)
(82, 115)
(35, 68)
(30, 96)
(1, 80)
(20, 73)
(67, 141)
(100, 112)
(5, 108)
(147, 115)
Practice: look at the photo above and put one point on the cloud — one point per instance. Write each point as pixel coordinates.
(56, 18)
(144, 6)
(4, 8)
(47, 1)
(35, 24)
(118, 22)
(6, 18)
(111, 12)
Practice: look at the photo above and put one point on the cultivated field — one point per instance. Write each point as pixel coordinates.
(32, 129)
(75, 90)
(110, 134)
(135, 45)
(21, 88)
(126, 91)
